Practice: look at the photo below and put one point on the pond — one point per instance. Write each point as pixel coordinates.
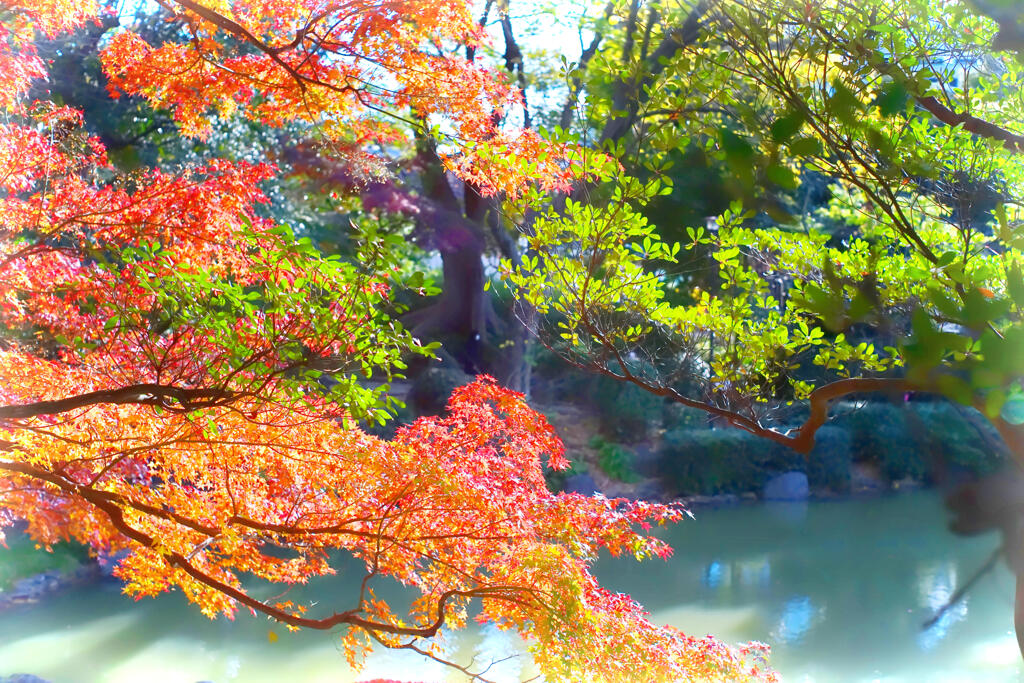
(840, 590)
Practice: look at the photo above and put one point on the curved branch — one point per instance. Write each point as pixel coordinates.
(240, 32)
(972, 124)
(819, 399)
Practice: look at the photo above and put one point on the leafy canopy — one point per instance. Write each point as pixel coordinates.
(911, 114)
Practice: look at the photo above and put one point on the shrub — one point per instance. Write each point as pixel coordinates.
(711, 461)
(614, 460)
(677, 416)
(828, 465)
(920, 439)
(432, 388)
(881, 434)
(22, 558)
(962, 436)
(556, 479)
(627, 411)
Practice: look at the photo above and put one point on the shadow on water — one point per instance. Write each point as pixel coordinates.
(839, 590)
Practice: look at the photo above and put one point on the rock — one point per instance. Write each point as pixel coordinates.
(865, 478)
(788, 486)
(35, 588)
(581, 483)
(40, 584)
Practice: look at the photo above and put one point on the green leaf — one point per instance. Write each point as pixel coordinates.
(782, 176)
(891, 99)
(805, 147)
(843, 103)
(787, 126)
(735, 147)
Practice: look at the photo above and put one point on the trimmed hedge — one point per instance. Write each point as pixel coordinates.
(881, 434)
(828, 464)
(712, 461)
(921, 440)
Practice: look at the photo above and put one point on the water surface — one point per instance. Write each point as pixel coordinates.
(839, 590)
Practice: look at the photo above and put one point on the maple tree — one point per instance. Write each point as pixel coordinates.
(178, 376)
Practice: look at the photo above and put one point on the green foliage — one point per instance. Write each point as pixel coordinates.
(291, 299)
(613, 459)
(926, 441)
(911, 271)
(881, 433)
(627, 412)
(920, 440)
(713, 461)
(677, 416)
(962, 436)
(828, 464)
(431, 388)
(22, 559)
(557, 480)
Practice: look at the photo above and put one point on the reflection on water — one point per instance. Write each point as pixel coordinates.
(716, 575)
(499, 655)
(798, 616)
(935, 585)
(839, 590)
(755, 572)
(384, 663)
(749, 572)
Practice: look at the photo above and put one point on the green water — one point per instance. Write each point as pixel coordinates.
(839, 590)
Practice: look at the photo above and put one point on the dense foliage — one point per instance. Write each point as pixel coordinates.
(919, 291)
(903, 276)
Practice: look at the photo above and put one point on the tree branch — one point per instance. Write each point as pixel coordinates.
(577, 79)
(170, 398)
(631, 98)
(972, 124)
(116, 516)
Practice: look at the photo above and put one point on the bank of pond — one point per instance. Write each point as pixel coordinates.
(839, 589)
